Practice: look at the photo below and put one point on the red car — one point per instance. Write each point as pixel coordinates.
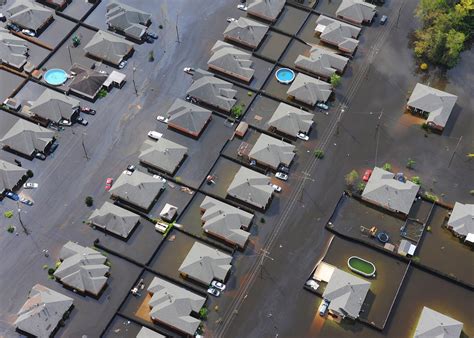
(367, 174)
(108, 183)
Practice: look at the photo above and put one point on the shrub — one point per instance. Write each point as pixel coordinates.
(424, 66)
(45, 266)
(203, 313)
(89, 201)
(11, 229)
(102, 93)
(431, 197)
(360, 187)
(416, 259)
(351, 178)
(387, 167)
(160, 26)
(410, 163)
(319, 153)
(335, 80)
(425, 127)
(262, 220)
(151, 56)
(8, 214)
(428, 228)
(249, 93)
(168, 229)
(237, 110)
(57, 264)
(29, 173)
(107, 262)
(51, 271)
(416, 180)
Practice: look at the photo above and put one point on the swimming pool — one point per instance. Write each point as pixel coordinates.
(55, 77)
(361, 266)
(285, 75)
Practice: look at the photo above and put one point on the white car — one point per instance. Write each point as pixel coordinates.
(276, 188)
(65, 123)
(158, 177)
(161, 227)
(323, 307)
(28, 32)
(231, 19)
(188, 70)
(30, 185)
(302, 136)
(242, 7)
(213, 292)
(218, 285)
(322, 106)
(154, 135)
(122, 64)
(281, 176)
(162, 119)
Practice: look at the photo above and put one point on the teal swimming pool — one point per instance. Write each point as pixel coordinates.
(55, 77)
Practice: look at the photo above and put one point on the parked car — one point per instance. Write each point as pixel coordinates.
(13, 27)
(312, 284)
(154, 135)
(367, 174)
(131, 168)
(83, 121)
(108, 183)
(322, 106)
(26, 201)
(231, 19)
(53, 147)
(152, 34)
(2, 17)
(188, 70)
(28, 32)
(323, 308)
(162, 119)
(253, 163)
(122, 64)
(30, 185)
(302, 136)
(158, 177)
(213, 292)
(383, 19)
(242, 7)
(218, 285)
(40, 156)
(65, 122)
(283, 168)
(161, 227)
(276, 188)
(281, 176)
(87, 110)
(11, 195)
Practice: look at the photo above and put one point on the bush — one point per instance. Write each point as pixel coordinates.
(415, 259)
(29, 173)
(262, 220)
(45, 266)
(160, 26)
(8, 214)
(416, 180)
(410, 163)
(151, 56)
(249, 93)
(203, 313)
(361, 187)
(431, 197)
(335, 80)
(237, 110)
(11, 229)
(425, 127)
(57, 264)
(428, 228)
(387, 167)
(102, 93)
(51, 271)
(351, 178)
(424, 66)
(89, 201)
(319, 153)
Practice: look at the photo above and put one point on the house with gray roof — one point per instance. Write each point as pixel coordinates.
(356, 11)
(82, 269)
(188, 118)
(147, 333)
(435, 105)
(86, 82)
(53, 106)
(11, 176)
(231, 61)
(205, 264)
(109, 47)
(337, 33)
(461, 220)
(137, 189)
(163, 155)
(290, 120)
(27, 138)
(322, 62)
(435, 324)
(251, 187)
(309, 90)
(246, 32)
(13, 50)
(346, 294)
(265, 9)
(29, 15)
(114, 219)
(271, 152)
(174, 306)
(212, 91)
(225, 221)
(41, 313)
(384, 190)
(128, 20)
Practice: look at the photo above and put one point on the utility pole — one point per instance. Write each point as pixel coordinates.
(177, 31)
(25, 230)
(454, 152)
(377, 136)
(338, 122)
(133, 79)
(84, 147)
(264, 254)
(69, 52)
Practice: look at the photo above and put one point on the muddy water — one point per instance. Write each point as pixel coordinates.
(273, 46)
(291, 20)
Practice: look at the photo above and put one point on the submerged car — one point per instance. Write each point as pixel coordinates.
(108, 183)
(213, 292)
(65, 122)
(218, 285)
(154, 135)
(242, 7)
(276, 188)
(40, 156)
(302, 136)
(87, 110)
(28, 32)
(281, 176)
(122, 64)
(11, 195)
(383, 19)
(162, 119)
(160, 178)
(323, 307)
(367, 174)
(30, 185)
(322, 106)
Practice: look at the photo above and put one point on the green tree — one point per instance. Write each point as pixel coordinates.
(335, 80)
(89, 201)
(410, 163)
(387, 167)
(351, 178)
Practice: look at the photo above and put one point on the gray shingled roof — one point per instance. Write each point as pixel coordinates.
(246, 31)
(28, 14)
(309, 90)
(384, 190)
(26, 137)
(82, 268)
(251, 187)
(346, 293)
(138, 189)
(213, 91)
(10, 175)
(232, 61)
(42, 311)
(272, 152)
(172, 305)
(54, 106)
(356, 11)
(163, 154)
(435, 324)
(114, 219)
(128, 19)
(186, 116)
(266, 9)
(290, 120)
(147, 333)
(108, 47)
(462, 219)
(225, 221)
(87, 82)
(437, 103)
(338, 33)
(13, 50)
(322, 62)
(204, 264)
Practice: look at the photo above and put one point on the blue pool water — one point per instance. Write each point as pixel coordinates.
(285, 75)
(55, 77)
